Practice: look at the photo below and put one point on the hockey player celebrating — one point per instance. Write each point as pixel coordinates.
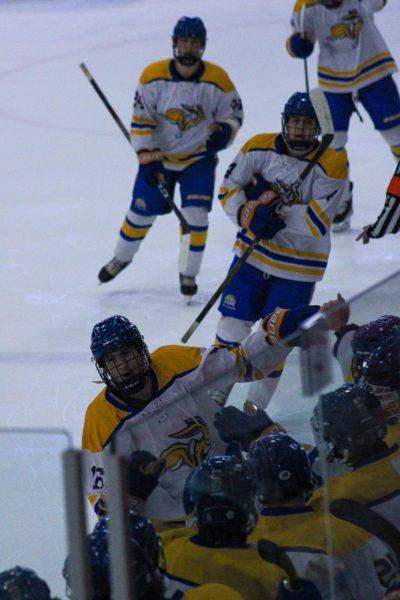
(354, 65)
(293, 251)
(185, 111)
(389, 219)
(157, 410)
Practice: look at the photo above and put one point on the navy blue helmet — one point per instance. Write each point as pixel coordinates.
(147, 557)
(368, 337)
(281, 468)
(299, 105)
(20, 583)
(351, 421)
(381, 373)
(221, 492)
(190, 27)
(111, 335)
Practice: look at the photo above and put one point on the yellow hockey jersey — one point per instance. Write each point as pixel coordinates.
(352, 52)
(177, 425)
(301, 250)
(363, 567)
(174, 114)
(189, 564)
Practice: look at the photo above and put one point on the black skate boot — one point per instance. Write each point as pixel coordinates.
(111, 269)
(341, 221)
(188, 286)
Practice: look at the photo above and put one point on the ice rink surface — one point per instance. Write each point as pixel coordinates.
(67, 174)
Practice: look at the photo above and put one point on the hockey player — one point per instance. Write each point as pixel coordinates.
(22, 583)
(285, 484)
(354, 65)
(349, 426)
(221, 495)
(389, 219)
(185, 111)
(294, 250)
(159, 404)
(147, 556)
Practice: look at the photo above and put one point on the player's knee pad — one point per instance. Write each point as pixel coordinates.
(196, 216)
(392, 137)
(139, 220)
(340, 140)
(230, 330)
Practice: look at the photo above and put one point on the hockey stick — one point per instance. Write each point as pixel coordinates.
(305, 59)
(361, 515)
(272, 553)
(325, 121)
(185, 227)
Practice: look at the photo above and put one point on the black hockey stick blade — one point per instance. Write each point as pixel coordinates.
(272, 553)
(361, 515)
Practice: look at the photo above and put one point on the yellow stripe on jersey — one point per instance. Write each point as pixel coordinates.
(314, 231)
(105, 417)
(300, 3)
(333, 162)
(263, 141)
(169, 362)
(217, 75)
(157, 70)
(359, 67)
(292, 252)
(318, 210)
(225, 194)
(143, 120)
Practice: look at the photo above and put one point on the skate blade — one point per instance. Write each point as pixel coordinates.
(187, 299)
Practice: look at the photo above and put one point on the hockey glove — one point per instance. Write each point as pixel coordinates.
(282, 322)
(260, 218)
(307, 591)
(144, 470)
(151, 167)
(299, 46)
(233, 424)
(261, 189)
(220, 136)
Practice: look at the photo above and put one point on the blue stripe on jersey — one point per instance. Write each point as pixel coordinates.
(316, 220)
(135, 125)
(303, 261)
(350, 78)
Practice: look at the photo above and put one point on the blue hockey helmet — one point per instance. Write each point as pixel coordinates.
(111, 335)
(299, 139)
(351, 421)
(190, 27)
(381, 373)
(368, 337)
(221, 492)
(146, 556)
(20, 583)
(281, 468)
(331, 3)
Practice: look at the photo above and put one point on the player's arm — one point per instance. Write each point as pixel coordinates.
(389, 219)
(300, 43)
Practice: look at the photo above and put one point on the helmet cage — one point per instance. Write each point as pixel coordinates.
(189, 28)
(300, 105)
(128, 385)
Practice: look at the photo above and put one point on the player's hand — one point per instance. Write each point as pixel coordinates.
(283, 322)
(220, 136)
(337, 313)
(261, 219)
(262, 190)
(233, 424)
(144, 470)
(365, 234)
(151, 167)
(299, 46)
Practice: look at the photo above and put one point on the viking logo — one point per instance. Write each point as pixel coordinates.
(192, 452)
(350, 27)
(187, 118)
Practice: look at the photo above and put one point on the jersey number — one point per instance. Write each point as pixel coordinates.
(98, 478)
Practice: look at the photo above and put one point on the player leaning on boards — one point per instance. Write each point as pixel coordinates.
(185, 111)
(293, 252)
(354, 65)
(157, 405)
(389, 219)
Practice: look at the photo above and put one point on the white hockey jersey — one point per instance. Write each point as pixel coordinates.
(174, 114)
(352, 52)
(301, 250)
(177, 425)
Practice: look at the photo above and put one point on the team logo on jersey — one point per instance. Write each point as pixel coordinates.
(140, 203)
(230, 301)
(186, 117)
(191, 452)
(348, 28)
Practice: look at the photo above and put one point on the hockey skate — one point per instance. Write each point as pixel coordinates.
(188, 287)
(111, 269)
(341, 221)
